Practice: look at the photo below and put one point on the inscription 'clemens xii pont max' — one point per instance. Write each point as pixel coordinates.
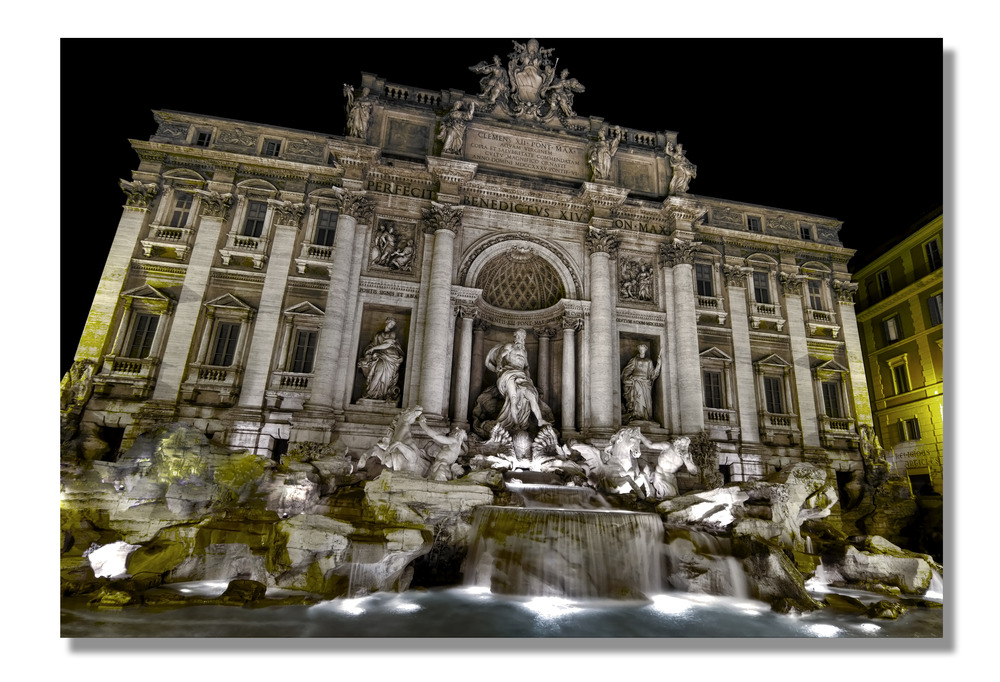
(526, 154)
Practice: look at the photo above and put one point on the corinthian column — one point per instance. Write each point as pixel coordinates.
(603, 246)
(354, 208)
(679, 256)
(443, 222)
(544, 335)
(569, 325)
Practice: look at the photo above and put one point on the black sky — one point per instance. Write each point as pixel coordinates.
(850, 129)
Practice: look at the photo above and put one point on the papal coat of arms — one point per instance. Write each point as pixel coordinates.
(528, 87)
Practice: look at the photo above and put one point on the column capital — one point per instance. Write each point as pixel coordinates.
(356, 205)
(571, 324)
(138, 194)
(287, 212)
(791, 284)
(214, 204)
(442, 217)
(844, 289)
(736, 276)
(467, 312)
(678, 252)
(480, 325)
(602, 241)
(544, 332)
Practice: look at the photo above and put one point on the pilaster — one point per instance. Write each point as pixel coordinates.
(746, 394)
(603, 366)
(791, 286)
(855, 356)
(679, 256)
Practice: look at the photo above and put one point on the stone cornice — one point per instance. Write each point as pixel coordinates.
(909, 291)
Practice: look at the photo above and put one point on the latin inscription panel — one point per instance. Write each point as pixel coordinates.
(526, 154)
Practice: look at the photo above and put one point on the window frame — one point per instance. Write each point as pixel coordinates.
(935, 259)
(231, 311)
(139, 326)
(320, 228)
(258, 223)
(757, 288)
(935, 309)
(755, 224)
(266, 147)
(899, 372)
(806, 233)
(892, 329)
(909, 430)
(202, 137)
(883, 280)
(704, 274)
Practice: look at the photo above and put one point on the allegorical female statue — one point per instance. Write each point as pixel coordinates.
(637, 379)
(380, 364)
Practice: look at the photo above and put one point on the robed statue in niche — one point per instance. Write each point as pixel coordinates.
(637, 382)
(521, 402)
(380, 364)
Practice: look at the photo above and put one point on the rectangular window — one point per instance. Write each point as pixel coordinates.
(901, 378)
(253, 226)
(933, 251)
(772, 395)
(761, 293)
(142, 336)
(305, 351)
(182, 208)
(891, 331)
(909, 429)
(884, 284)
(713, 390)
(271, 148)
(224, 351)
(202, 138)
(326, 226)
(703, 279)
(805, 232)
(936, 306)
(831, 399)
(753, 223)
(815, 295)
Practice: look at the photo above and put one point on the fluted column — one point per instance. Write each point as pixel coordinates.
(354, 208)
(679, 256)
(443, 221)
(214, 208)
(746, 392)
(102, 311)
(569, 325)
(603, 366)
(463, 375)
(479, 327)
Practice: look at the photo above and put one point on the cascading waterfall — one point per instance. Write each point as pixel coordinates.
(573, 553)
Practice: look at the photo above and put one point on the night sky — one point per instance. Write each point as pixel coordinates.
(850, 129)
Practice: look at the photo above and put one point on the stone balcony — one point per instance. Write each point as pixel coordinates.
(722, 424)
(241, 246)
(818, 320)
(139, 374)
(836, 431)
(766, 313)
(162, 238)
(315, 255)
(711, 306)
(224, 381)
(779, 429)
(289, 390)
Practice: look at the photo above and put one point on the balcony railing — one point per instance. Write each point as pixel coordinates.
(314, 255)
(779, 427)
(176, 239)
(242, 246)
(719, 416)
(290, 381)
(138, 373)
(766, 312)
(225, 381)
(711, 305)
(822, 319)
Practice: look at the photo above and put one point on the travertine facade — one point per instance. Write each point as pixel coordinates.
(255, 269)
(901, 316)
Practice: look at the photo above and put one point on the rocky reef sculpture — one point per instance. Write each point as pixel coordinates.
(380, 364)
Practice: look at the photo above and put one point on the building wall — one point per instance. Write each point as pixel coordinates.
(238, 308)
(915, 276)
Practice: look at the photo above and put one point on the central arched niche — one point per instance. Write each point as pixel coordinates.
(518, 278)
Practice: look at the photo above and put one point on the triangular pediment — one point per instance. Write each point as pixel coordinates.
(830, 366)
(714, 353)
(148, 292)
(304, 308)
(774, 361)
(228, 301)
